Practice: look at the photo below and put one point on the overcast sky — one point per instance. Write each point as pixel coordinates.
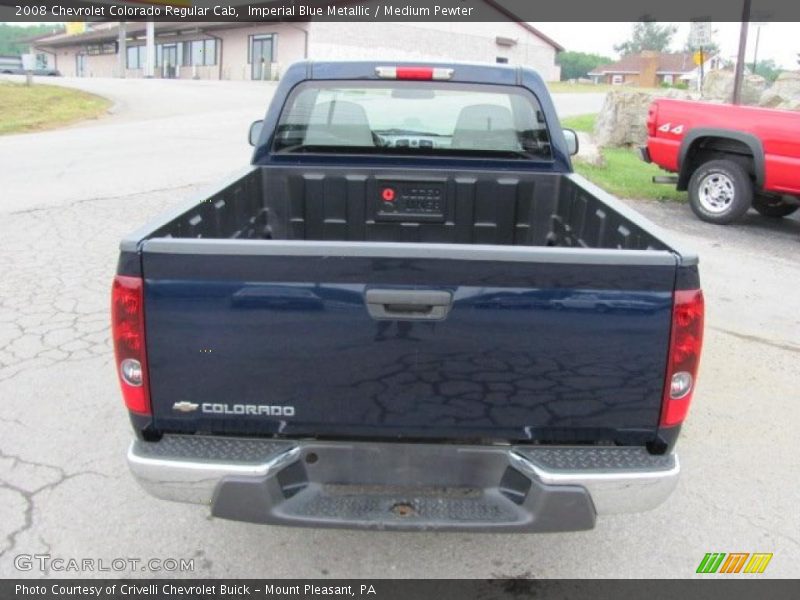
(779, 41)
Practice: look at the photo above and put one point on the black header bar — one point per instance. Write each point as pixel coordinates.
(713, 587)
(397, 11)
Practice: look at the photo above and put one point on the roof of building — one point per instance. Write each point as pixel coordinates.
(506, 12)
(133, 28)
(668, 63)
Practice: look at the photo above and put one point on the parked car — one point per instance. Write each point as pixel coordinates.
(37, 72)
(8, 62)
(728, 157)
(416, 376)
(12, 65)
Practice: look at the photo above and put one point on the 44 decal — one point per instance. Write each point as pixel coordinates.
(668, 128)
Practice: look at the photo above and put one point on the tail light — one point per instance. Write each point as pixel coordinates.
(127, 328)
(652, 119)
(686, 341)
(418, 73)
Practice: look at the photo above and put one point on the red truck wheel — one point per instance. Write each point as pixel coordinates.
(720, 191)
(774, 208)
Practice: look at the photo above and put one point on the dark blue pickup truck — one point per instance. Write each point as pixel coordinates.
(407, 313)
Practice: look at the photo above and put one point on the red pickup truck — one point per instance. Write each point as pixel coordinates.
(728, 157)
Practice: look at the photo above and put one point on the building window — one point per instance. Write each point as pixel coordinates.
(502, 60)
(617, 79)
(136, 57)
(199, 53)
(505, 41)
(262, 47)
(669, 79)
(196, 53)
(210, 53)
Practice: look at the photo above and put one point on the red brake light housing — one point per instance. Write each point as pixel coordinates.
(127, 328)
(685, 344)
(414, 73)
(652, 119)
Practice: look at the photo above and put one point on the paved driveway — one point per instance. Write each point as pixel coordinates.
(69, 195)
(161, 135)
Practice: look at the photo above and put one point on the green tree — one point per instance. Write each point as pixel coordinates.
(648, 35)
(10, 36)
(768, 69)
(575, 65)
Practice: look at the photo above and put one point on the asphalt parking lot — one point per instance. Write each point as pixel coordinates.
(69, 195)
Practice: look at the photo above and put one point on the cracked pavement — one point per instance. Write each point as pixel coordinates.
(69, 195)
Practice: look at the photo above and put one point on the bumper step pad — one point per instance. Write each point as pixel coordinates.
(399, 486)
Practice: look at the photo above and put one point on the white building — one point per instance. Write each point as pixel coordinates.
(255, 51)
(692, 78)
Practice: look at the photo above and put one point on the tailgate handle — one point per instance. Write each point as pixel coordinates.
(408, 305)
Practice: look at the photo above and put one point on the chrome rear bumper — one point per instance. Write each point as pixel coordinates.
(403, 486)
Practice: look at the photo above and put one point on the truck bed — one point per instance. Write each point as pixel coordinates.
(258, 299)
(323, 204)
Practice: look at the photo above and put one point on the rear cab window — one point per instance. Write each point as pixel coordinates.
(413, 118)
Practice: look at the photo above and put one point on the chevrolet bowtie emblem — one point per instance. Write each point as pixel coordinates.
(185, 406)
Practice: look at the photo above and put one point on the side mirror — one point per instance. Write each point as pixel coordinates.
(572, 141)
(255, 132)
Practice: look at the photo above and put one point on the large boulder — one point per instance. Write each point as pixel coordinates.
(718, 87)
(623, 119)
(588, 151)
(784, 93)
(791, 104)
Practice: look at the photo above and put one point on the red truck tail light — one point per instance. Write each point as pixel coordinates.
(686, 341)
(418, 73)
(652, 119)
(127, 328)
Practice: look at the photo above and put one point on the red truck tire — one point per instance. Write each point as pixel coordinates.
(720, 191)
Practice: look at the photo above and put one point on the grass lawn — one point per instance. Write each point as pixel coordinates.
(583, 123)
(564, 87)
(625, 175)
(37, 107)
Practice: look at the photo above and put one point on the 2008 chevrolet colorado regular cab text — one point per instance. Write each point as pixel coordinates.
(408, 313)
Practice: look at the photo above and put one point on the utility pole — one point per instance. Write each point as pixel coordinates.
(739, 75)
(702, 69)
(755, 51)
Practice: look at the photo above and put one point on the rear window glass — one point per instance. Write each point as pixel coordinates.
(412, 118)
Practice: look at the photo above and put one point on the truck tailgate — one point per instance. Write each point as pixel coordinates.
(392, 340)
